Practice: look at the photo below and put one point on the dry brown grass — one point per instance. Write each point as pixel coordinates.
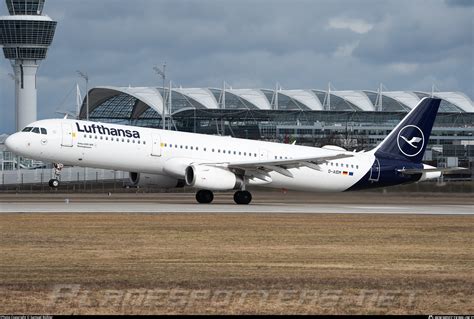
(426, 258)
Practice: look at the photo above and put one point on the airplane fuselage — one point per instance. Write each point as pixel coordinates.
(168, 153)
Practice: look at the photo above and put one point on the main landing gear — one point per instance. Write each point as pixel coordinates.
(204, 196)
(240, 197)
(54, 182)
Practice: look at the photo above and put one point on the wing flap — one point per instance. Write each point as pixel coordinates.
(280, 166)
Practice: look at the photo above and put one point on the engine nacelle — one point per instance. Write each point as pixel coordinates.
(154, 180)
(212, 178)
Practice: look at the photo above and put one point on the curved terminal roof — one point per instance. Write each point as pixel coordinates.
(305, 97)
(256, 97)
(147, 102)
(146, 97)
(409, 99)
(458, 99)
(203, 96)
(358, 98)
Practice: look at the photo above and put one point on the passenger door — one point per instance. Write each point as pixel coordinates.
(156, 144)
(66, 139)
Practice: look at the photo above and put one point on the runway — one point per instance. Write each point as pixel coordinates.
(280, 208)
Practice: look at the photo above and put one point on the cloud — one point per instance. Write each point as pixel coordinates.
(403, 68)
(460, 3)
(300, 44)
(355, 25)
(346, 49)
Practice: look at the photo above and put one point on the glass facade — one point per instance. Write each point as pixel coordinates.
(26, 32)
(117, 107)
(180, 101)
(25, 7)
(285, 102)
(25, 53)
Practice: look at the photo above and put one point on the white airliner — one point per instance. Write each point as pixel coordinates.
(169, 159)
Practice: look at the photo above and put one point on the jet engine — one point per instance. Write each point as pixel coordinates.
(212, 178)
(154, 180)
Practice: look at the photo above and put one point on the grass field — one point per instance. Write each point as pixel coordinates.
(236, 263)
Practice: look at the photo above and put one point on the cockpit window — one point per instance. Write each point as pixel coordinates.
(36, 130)
(43, 131)
(27, 129)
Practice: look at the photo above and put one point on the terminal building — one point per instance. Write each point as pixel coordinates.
(349, 119)
(352, 119)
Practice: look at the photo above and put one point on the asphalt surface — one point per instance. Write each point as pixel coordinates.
(70, 206)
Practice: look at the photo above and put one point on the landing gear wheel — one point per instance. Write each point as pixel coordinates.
(54, 183)
(242, 197)
(204, 196)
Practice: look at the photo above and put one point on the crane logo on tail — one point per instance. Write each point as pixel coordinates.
(410, 140)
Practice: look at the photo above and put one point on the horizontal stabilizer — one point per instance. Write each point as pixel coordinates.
(447, 170)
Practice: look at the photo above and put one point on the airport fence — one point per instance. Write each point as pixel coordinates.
(71, 178)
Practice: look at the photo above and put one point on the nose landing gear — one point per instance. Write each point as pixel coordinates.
(54, 182)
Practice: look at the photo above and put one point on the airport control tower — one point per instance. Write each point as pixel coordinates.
(25, 36)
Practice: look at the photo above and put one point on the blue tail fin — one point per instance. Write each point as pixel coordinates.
(409, 138)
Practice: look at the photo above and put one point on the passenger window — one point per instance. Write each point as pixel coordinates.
(144, 142)
(133, 141)
(43, 131)
(101, 138)
(36, 130)
(197, 148)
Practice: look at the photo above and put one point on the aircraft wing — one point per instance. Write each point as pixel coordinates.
(260, 169)
(447, 170)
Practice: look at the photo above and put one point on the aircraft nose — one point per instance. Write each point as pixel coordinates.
(12, 143)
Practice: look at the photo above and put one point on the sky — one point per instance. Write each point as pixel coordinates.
(357, 44)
